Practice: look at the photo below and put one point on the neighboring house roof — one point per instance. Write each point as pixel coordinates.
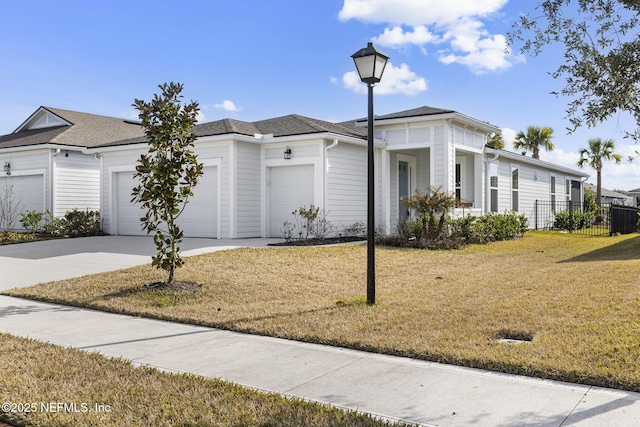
(416, 113)
(292, 124)
(604, 192)
(70, 128)
(536, 162)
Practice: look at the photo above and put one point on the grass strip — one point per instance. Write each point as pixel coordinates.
(54, 386)
(574, 299)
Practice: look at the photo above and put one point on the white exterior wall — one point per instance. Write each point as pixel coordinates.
(248, 221)
(346, 177)
(27, 169)
(112, 163)
(76, 182)
(534, 184)
(211, 154)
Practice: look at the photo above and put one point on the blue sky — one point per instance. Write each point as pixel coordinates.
(256, 59)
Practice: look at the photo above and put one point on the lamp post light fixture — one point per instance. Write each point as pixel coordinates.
(370, 64)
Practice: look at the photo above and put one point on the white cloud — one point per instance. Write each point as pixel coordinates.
(395, 80)
(622, 176)
(227, 106)
(508, 136)
(456, 22)
(396, 37)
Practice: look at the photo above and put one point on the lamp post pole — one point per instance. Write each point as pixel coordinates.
(370, 64)
(371, 257)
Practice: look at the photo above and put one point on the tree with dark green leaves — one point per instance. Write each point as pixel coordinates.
(534, 139)
(495, 140)
(594, 156)
(601, 65)
(168, 172)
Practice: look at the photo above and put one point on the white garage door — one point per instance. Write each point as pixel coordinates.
(289, 188)
(199, 219)
(22, 193)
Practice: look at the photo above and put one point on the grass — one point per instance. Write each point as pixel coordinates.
(576, 298)
(108, 392)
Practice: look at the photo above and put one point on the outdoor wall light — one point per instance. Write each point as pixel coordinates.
(7, 168)
(370, 64)
(287, 153)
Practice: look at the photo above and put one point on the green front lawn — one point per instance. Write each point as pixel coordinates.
(576, 297)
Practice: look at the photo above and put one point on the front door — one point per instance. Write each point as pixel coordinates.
(404, 183)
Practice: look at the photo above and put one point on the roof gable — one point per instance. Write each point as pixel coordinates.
(70, 128)
(42, 118)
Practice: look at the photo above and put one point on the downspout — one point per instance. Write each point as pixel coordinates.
(326, 172)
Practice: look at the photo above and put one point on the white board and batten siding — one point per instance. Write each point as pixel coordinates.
(76, 182)
(248, 200)
(346, 193)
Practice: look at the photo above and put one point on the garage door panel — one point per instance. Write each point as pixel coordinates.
(199, 218)
(289, 188)
(26, 193)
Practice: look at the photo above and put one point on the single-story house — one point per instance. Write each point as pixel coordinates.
(257, 173)
(45, 166)
(635, 195)
(609, 197)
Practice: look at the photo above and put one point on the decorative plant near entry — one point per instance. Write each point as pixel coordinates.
(433, 209)
(168, 172)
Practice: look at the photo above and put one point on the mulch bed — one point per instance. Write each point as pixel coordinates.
(317, 242)
(175, 287)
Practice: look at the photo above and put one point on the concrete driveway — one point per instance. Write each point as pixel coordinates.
(27, 264)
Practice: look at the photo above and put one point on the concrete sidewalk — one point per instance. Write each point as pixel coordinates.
(392, 387)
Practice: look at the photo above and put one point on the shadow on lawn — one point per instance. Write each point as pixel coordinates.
(626, 250)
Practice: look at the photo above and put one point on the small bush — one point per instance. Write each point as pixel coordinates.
(82, 223)
(31, 220)
(573, 219)
(491, 227)
(358, 228)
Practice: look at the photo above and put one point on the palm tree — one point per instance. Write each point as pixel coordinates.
(535, 138)
(495, 140)
(597, 152)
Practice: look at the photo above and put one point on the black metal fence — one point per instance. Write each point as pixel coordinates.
(595, 220)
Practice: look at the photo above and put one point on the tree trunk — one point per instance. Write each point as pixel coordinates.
(599, 187)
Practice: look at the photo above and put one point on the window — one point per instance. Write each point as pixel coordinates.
(567, 189)
(553, 193)
(514, 188)
(458, 181)
(493, 184)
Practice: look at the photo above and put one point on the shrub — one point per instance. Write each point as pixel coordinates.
(31, 220)
(82, 223)
(573, 219)
(358, 228)
(491, 227)
(309, 222)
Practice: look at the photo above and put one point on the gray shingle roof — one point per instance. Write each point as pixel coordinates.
(91, 130)
(415, 112)
(86, 130)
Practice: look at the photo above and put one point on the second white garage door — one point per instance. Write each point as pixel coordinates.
(289, 188)
(199, 219)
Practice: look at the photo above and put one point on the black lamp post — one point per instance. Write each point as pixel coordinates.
(370, 64)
